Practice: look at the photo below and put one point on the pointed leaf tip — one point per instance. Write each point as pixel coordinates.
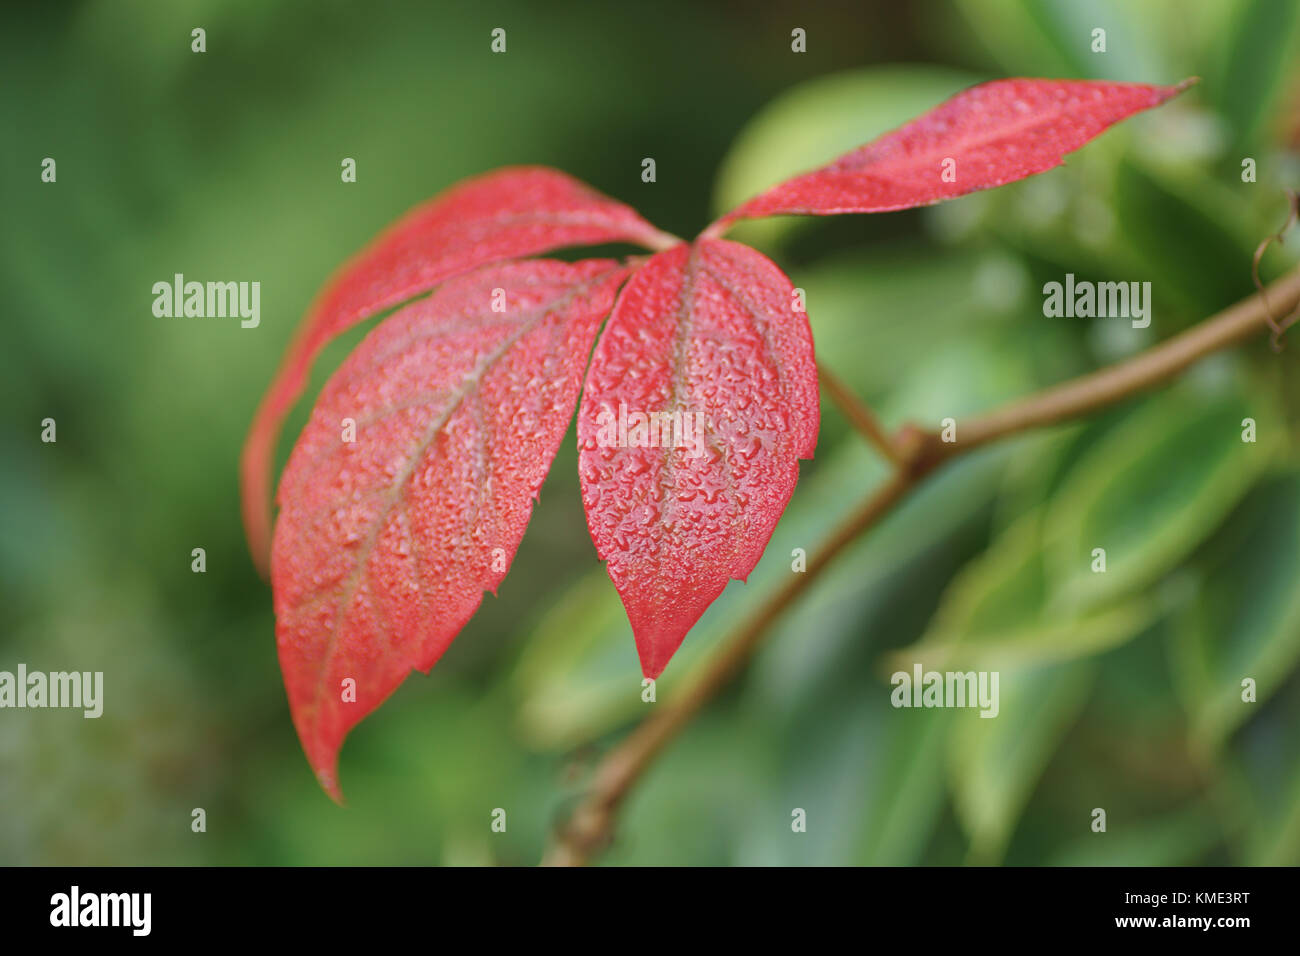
(989, 135)
(700, 400)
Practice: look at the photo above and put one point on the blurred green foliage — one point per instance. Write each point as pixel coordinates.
(1119, 691)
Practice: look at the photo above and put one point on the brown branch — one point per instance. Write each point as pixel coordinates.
(859, 415)
(591, 825)
(588, 828)
(1142, 372)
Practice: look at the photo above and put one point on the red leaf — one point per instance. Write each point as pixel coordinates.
(502, 215)
(995, 133)
(384, 545)
(710, 329)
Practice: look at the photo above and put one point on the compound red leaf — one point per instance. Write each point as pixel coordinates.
(985, 136)
(385, 543)
(710, 336)
(505, 214)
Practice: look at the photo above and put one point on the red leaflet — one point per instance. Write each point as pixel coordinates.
(385, 544)
(986, 136)
(509, 213)
(701, 398)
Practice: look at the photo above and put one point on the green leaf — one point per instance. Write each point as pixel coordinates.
(1055, 37)
(859, 304)
(703, 803)
(1192, 235)
(996, 762)
(868, 776)
(1151, 490)
(1179, 838)
(1000, 612)
(1281, 846)
(1262, 782)
(906, 792)
(578, 675)
(1276, 840)
(1262, 46)
(1245, 619)
(1035, 469)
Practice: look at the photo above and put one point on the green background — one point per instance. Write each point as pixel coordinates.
(1119, 691)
